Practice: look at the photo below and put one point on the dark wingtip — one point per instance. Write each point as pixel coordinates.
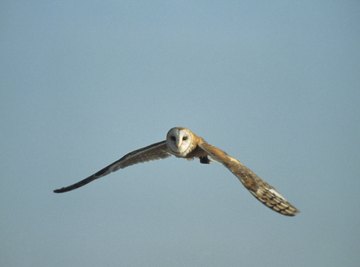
(58, 191)
(76, 185)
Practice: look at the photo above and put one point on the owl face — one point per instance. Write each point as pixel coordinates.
(179, 141)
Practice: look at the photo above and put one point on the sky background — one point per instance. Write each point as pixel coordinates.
(273, 83)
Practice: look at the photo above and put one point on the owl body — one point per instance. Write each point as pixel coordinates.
(183, 143)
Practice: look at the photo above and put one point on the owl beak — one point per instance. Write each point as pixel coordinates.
(178, 142)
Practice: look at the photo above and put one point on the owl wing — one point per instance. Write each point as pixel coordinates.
(152, 152)
(264, 192)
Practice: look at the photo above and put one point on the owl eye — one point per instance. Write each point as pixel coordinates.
(185, 138)
(173, 138)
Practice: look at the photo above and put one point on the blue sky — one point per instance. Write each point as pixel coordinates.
(273, 83)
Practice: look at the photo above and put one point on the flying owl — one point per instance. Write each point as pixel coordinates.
(183, 143)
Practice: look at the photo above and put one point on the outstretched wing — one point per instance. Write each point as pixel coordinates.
(155, 151)
(264, 192)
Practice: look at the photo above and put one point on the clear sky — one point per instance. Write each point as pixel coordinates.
(275, 84)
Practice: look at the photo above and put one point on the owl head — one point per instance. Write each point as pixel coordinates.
(180, 141)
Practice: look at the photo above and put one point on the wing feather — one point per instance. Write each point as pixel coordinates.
(152, 152)
(264, 192)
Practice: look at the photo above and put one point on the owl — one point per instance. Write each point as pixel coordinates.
(183, 143)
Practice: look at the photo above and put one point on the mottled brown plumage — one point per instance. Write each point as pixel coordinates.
(264, 192)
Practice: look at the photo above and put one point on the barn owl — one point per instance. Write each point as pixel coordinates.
(183, 143)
